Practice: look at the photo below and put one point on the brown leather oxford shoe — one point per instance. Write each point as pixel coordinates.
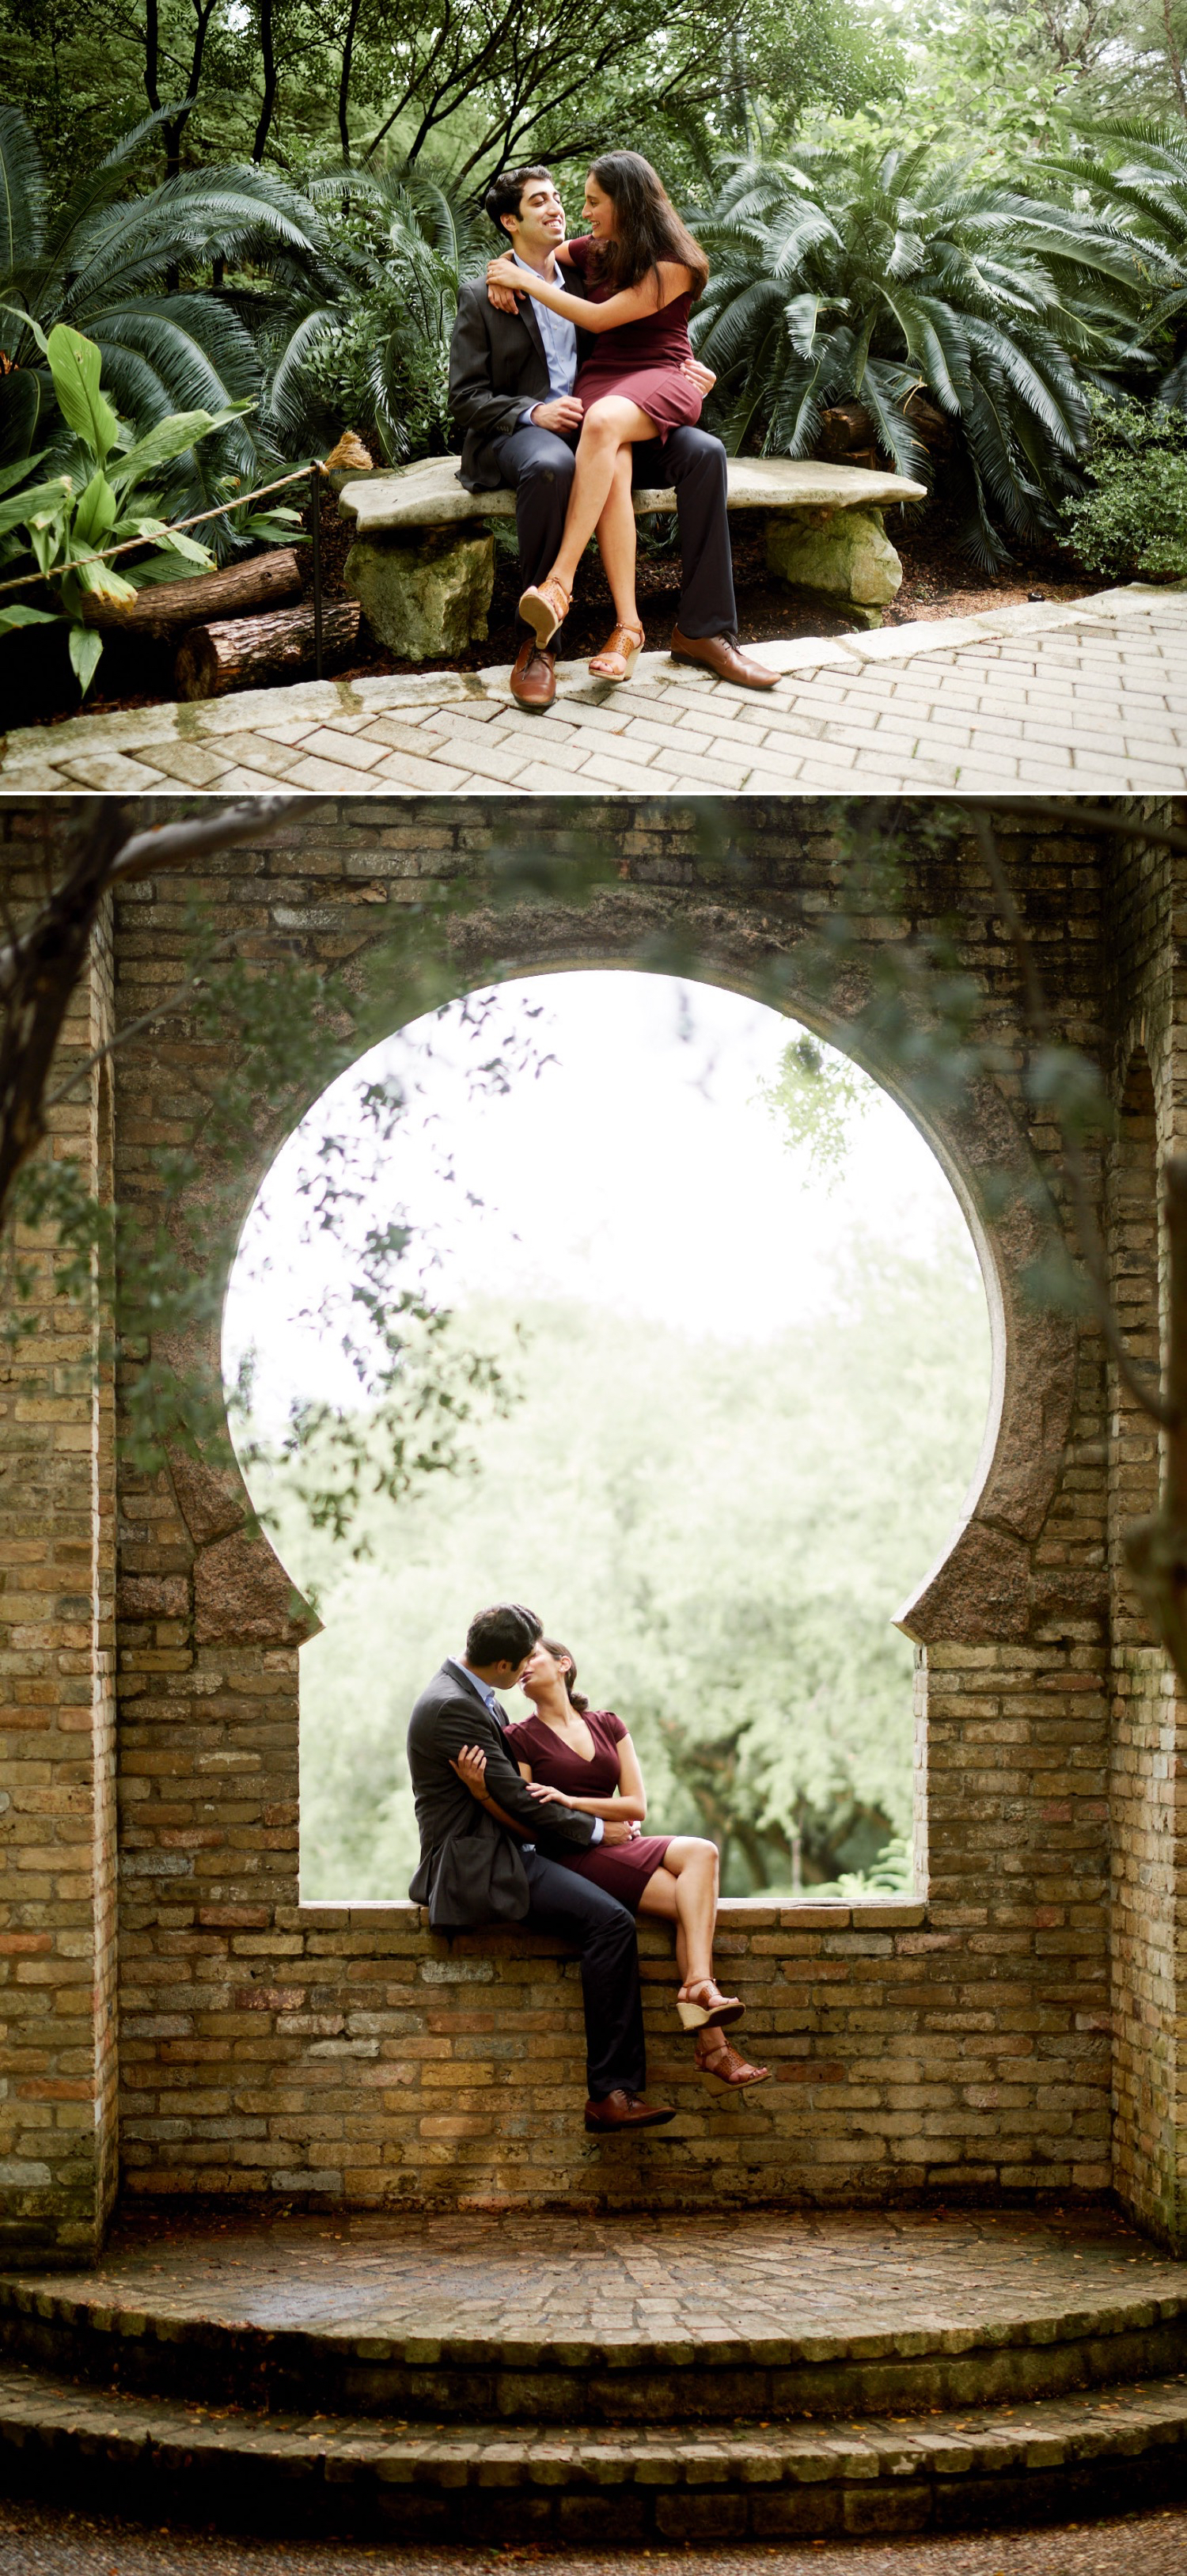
(533, 679)
(622, 2110)
(721, 653)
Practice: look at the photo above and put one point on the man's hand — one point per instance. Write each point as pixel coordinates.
(702, 377)
(616, 1833)
(470, 1767)
(563, 412)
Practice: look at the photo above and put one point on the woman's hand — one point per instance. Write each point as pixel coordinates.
(615, 1833)
(509, 276)
(502, 299)
(702, 377)
(470, 1767)
(547, 1797)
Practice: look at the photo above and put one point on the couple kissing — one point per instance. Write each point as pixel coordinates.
(572, 381)
(539, 1821)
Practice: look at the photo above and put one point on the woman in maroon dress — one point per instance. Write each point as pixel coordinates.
(641, 270)
(584, 1758)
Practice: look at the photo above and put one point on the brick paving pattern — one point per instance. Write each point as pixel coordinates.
(1089, 698)
(738, 2280)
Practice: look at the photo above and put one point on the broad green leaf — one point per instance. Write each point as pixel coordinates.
(24, 465)
(185, 546)
(27, 509)
(27, 617)
(102, 579)
(74, 366)
(20, 315)
(170, 567)
(170, 438)
(95, 515)
(85, 648)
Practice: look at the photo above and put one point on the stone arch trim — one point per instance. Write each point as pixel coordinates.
(985, 1585)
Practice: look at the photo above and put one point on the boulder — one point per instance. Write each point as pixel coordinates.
(846, 554)
(426, 593)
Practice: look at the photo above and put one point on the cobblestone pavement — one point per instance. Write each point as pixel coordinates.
(688, 2280)
(35, 2541)
(1087, 698)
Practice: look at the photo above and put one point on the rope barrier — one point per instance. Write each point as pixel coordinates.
(130, 544)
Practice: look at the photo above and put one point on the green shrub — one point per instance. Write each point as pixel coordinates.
(1132, 522)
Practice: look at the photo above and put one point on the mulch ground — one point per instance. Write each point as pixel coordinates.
(937, 582)
(37, 2540)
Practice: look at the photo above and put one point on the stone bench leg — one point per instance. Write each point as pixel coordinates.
(846, 554)
(425, 593)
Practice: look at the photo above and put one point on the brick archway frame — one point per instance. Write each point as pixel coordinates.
(961, 2044)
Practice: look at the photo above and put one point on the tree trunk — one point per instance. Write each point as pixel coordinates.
(168, 607)
(247, 652)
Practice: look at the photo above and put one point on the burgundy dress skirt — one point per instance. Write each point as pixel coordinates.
(623, 1869)
(641, 360)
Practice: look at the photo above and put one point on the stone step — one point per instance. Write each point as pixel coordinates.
(129, 2335)
(588, 2483)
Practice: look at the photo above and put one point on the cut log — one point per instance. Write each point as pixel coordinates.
(844, 427)
(167, 607)
(248, 652)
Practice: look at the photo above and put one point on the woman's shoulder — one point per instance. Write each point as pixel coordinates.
(606, 1718)
(577, 251)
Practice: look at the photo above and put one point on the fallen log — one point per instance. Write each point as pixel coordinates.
(248, 652)
(166, 608)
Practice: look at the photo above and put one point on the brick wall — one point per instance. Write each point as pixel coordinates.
(1149, 1914)
(58, 1966)
(281, 2050)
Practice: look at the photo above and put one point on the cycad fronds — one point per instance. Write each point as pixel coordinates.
(991, 301)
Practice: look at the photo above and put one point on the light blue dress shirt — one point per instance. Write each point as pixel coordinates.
(485, 1692)
(560, 351)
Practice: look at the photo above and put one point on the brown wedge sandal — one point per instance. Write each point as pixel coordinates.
(624, 646)
(544, 607)
(703, 2006)
(716, 2057)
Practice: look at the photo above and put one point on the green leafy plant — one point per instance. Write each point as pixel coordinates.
(381, 362)
(136, 272)
(1132, 521)
(872, 276)
(1135, 170)
(69, 521)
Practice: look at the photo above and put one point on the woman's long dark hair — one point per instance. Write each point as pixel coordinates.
(577, 1699)
(647, 227)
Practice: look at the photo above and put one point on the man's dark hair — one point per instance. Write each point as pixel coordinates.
(504, 197)
(504, 1634)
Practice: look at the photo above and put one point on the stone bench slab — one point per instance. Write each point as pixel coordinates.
(429, 495)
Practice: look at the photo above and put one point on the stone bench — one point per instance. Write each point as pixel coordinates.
(423, 560)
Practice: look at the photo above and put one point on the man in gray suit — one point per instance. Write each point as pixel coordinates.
(475, 1870)
(511, 400)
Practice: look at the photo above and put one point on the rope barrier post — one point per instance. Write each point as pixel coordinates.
(315, 530)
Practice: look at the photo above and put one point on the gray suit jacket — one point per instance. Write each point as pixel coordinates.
(497, 367)
(471, 1869)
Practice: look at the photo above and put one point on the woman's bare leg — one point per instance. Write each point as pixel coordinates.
(610, 423)
(692, 1867)
(616, 543)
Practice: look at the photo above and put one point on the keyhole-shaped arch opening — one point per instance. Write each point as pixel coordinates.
(715, 1490)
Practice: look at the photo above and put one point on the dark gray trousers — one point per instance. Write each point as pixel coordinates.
(603, 1933)
(538, 466)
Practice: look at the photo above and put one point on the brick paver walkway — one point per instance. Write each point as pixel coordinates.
(733, 2279)
(1090, 698)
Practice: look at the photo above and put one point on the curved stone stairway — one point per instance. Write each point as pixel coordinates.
(571, 2379)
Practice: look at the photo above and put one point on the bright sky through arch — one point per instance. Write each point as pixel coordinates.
(638, 1169)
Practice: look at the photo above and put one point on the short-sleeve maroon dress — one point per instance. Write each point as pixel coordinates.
(639, 359)
(623, 1869)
